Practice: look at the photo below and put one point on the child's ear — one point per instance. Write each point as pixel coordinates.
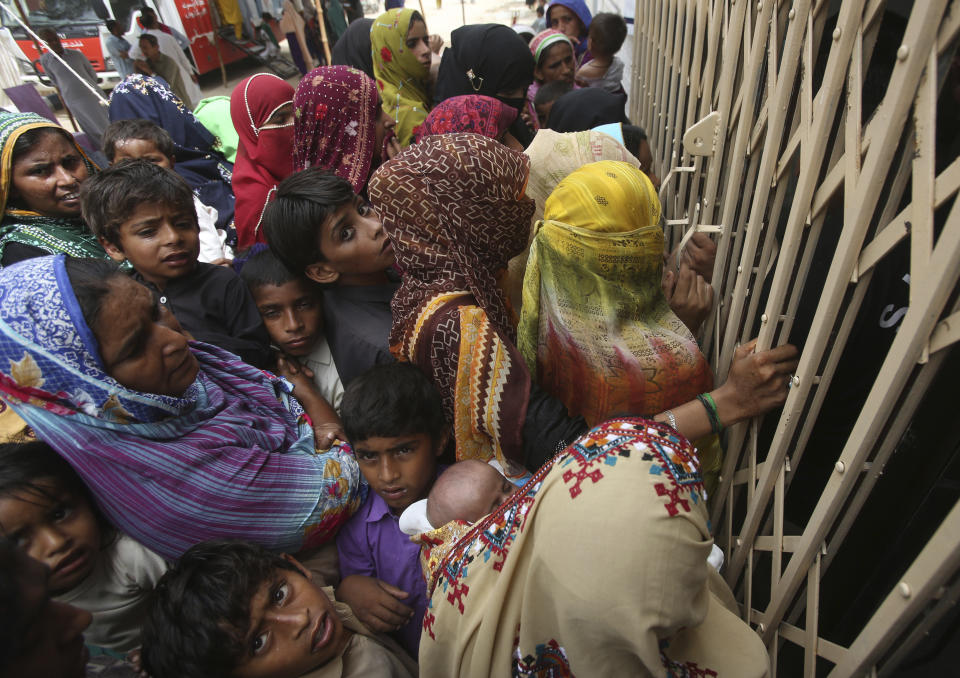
(297, 564)
(173, 161)
(322, 273)
(112, 250)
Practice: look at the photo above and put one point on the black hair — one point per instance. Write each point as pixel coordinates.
(292, 221)
(111, 196)
(11, 602)
(540, 10)
(137, 128)
(110, 24)
(260, 267)
(552, 91)
(200, 613)
(416, 16)
(633, 136)
(23, 465)
(607, 33)
(152, 39)
(392, 400)
(91, 282)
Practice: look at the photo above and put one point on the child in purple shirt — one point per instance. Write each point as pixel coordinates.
(393, 417)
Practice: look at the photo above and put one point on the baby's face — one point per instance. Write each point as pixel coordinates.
(489, 489)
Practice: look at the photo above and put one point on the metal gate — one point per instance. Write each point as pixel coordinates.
(806, 136)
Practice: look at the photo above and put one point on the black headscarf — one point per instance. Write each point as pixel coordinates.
(498, 59)
(353, 47)
(586, 108)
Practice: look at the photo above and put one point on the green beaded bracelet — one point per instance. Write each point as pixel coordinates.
(711, 407)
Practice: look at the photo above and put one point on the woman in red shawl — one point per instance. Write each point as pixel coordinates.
(340, 125)
(262, 111)
(471, 113)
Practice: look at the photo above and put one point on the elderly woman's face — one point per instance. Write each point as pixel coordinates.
(141, 344)
(47, 178)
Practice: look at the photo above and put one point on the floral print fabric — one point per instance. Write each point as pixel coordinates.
(335, 113)
(401, 78)
(468, 113)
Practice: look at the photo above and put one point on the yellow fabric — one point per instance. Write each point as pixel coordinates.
(554, 155)
(230, 13)
(592, 303)
(401, 78)
(605, 197)
(13, 429)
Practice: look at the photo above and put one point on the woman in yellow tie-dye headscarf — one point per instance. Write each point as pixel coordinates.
(592, 303)
(401, 66)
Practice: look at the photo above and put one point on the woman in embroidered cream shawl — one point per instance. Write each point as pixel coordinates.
(596, 567)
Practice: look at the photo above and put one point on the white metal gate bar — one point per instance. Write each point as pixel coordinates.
(892, 115)
(775, 165)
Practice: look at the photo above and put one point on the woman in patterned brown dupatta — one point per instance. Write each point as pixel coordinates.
(454, 208)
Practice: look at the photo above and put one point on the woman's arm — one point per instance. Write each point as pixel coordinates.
(757, 383)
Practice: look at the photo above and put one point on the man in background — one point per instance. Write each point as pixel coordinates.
(83, 103)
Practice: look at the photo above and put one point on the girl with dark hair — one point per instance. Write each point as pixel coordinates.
(401, 66)
(47, 510)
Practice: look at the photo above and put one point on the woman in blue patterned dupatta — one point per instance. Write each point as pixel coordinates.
(206, 170)
(41, 170)
(178, 442)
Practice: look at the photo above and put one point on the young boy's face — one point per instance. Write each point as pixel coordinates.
(294, 628)
(161, 241)
(292, 314)
(401, 469)
(133, 149)
(56, 528)
(354, 245)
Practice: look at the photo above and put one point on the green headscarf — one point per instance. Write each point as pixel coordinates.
(401, 78)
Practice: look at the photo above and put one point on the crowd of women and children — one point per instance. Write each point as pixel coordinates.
(410, 385)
